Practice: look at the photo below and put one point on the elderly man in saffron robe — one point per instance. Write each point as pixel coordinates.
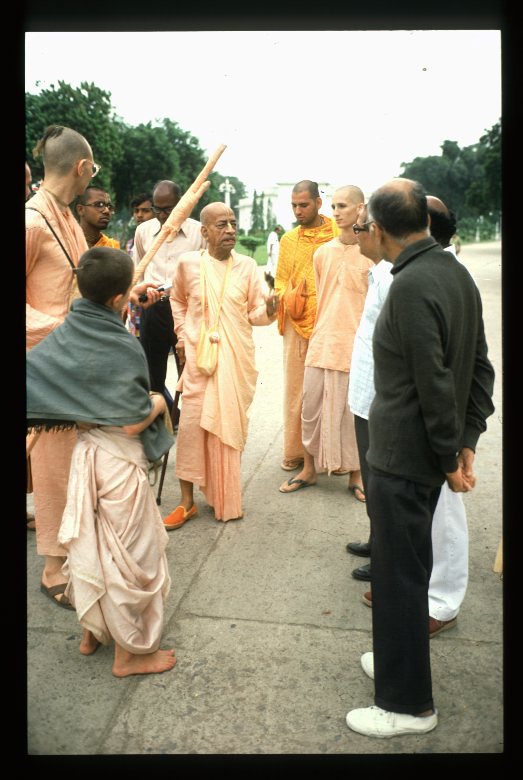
(213, 421)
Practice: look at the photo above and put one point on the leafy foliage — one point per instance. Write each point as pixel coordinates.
(250, 243)
(133, 159)
(467, 180)
(86, 109)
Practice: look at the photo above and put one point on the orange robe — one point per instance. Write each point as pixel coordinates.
(107, 241)
(295, 263)
(213, 422)
(49, 280)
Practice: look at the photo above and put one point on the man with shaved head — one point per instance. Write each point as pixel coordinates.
(434, 385)
(222, 291)
(294, 266)
(157, 334)
(54, 245)
(340, 274)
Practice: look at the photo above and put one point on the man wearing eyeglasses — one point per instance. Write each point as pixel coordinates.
(94, 210)
(157, 334)
(433, 394)
(54, 245)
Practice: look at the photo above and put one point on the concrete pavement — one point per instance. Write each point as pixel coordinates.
(268, 624)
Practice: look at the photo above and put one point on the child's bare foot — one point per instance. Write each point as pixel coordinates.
(126, 663)
(89, 643)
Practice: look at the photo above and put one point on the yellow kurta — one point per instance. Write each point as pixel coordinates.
(297, 248)
(214, 415)
(49, 280)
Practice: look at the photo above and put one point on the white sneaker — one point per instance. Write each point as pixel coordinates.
(367, 664)
(375, 722)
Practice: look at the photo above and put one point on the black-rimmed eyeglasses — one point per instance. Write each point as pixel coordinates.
(362, 228)
(100, 205)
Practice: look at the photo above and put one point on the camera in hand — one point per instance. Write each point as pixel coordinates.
(143, 297)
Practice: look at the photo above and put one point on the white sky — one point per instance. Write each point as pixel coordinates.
(342, 107)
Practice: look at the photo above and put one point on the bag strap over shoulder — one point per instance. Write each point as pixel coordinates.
(31, 208)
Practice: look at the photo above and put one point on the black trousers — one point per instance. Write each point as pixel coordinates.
(157, 336)
(361, 427)
(401, 514)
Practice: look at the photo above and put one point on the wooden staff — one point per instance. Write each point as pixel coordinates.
(180, 212)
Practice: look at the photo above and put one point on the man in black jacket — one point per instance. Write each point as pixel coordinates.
(434, 385)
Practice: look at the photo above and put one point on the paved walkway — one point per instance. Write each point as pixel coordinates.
(268, 624)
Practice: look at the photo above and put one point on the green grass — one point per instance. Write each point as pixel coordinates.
(260, 254)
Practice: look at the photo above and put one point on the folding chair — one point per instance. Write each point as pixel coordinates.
(175, 416)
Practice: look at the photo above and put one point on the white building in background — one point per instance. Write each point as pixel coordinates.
(280, 198)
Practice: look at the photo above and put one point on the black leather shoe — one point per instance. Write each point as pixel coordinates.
(359, 548)
(362, 573)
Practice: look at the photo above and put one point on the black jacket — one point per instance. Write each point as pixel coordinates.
(434, 381)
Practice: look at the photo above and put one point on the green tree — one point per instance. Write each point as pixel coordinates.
(257, 213)
(88, 110)
(468, 180)
(133, 159)
(484, 193)
(147, 157)
(270, 219)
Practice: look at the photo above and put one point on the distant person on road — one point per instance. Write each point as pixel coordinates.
(294, 269)
(434, 385)
(94, 210)
(213, 420)
(340, 274)
(273, 245)
(111, 526)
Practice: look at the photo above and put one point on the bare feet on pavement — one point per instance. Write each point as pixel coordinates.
(89, 643)
(126, 663)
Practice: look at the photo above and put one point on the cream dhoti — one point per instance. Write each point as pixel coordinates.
(115, 541)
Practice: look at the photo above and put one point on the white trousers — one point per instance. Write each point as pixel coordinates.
(450, 551)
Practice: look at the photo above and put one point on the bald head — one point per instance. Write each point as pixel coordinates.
(442, 221)
(213, 211)
(61, 148)
(352, 193)
(435, 204)
(218, 229)
(167, 188)
(399, 207)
